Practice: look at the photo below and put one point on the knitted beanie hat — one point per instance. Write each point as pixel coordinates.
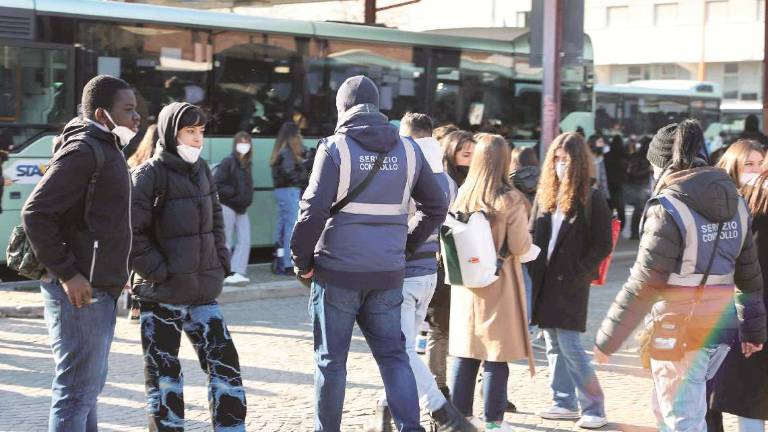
(660, 149)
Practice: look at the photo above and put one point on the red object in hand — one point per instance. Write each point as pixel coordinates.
(606, 263)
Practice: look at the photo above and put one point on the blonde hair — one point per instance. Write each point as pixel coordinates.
(487, 182)
(574, 189)
(146, 147)
(736, 156)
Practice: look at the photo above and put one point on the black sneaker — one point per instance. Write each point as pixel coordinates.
(511, 408)
(449, 419)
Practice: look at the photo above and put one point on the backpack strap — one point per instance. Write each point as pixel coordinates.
(98, 154)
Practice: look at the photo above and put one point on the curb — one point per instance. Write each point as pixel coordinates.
(230, 294)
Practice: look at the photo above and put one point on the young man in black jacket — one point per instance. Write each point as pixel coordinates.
(84, 243)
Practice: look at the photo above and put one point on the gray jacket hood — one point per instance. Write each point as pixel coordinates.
(707, 190)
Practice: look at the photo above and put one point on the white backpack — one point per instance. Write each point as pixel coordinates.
(469, 256)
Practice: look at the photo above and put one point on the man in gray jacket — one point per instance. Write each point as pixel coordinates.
(692, 206)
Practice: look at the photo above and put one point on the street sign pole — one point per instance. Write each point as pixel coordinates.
(550, 94)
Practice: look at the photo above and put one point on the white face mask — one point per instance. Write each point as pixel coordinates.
(560, 168)
(243, 148)
(188, 153)
(123, 133)
(747, 178)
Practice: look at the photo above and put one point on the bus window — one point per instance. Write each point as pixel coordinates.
(486, 89)
(395, 69)
(257, 81)
(164, 64)
(35, 92)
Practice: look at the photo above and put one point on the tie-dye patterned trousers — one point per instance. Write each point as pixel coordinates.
(161, 328)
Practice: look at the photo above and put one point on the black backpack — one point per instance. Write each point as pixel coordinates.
(19, 255)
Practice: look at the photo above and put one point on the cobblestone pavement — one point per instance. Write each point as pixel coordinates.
(275, 345)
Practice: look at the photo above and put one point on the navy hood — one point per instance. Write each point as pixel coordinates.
(359, 118)
(168, 124)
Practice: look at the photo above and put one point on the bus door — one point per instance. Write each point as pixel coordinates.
(36, 101)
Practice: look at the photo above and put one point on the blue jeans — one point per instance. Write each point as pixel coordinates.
(417, 292)
(287, 212)
(751, 425)
(681, 388)
(80, 340)
(528, 292)
(334, 311)
(495, 377)
(571, 375)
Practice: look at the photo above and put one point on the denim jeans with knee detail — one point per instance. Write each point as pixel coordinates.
(334, 311)
(80, 340)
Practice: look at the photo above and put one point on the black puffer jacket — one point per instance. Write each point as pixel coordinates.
(741, 384)
(288, 172)
(234, 183)
(561, 284)
(53, 216)
(526, 179)
(710, 193)
(179, 251)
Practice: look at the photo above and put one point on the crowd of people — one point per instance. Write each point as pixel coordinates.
(368, 236)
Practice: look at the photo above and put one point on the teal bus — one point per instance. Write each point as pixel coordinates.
(250, 73)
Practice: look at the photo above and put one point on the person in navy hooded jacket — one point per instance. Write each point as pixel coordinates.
(356, 257)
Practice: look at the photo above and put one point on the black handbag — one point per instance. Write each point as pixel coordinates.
(669, 334)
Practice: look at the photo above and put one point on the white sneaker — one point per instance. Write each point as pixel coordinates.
(557, 413)
(500, 427)
(245, 278)
(591, 422)
(236, 279)
(477, 423)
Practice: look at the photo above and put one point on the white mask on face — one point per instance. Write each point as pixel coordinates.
(123, 133)
(243, 148)
(188, 153)
(560, 168)
(747, 178)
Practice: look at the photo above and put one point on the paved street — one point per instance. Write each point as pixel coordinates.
(275, 345)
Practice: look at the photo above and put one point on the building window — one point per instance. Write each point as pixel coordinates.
(521, 19)
(717, 11)
(665, 14)
(730, 81)
(668, 71)
(635, 73)
(617, 16)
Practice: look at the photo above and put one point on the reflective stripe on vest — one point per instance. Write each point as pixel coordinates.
(688, 225)
(345, 175)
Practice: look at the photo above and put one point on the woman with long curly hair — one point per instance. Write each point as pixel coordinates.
(571, 223)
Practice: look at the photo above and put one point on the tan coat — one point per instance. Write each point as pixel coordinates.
(491, 323)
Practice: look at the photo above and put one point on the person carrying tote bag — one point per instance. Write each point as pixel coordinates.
(489, 324)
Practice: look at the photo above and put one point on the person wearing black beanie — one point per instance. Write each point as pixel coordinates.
(697, 263)
(660, 149)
